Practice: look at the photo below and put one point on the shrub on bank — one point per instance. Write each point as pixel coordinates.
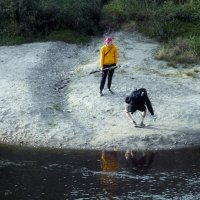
(38, 18)
(178, 51)
(117, 12)
(68, 36)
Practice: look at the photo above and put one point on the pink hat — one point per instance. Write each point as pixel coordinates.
(108, 39)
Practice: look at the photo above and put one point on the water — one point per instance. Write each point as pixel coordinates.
(29, 174)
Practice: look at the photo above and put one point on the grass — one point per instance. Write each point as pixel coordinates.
(53, 124)
(14, 40)
(129, 26)
(195, 40)
(180, 74)
(67, 36)
(192, 74)
(56, 106)
(79, 70)
(180, 50)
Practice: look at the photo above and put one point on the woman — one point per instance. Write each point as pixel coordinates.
(108, 59)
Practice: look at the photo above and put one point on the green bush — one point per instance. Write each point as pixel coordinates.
(8, 23)
(44, 16)
(119, 11)
(181, 12)
(177, 20)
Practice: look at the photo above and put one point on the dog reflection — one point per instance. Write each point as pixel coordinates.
(139, 160)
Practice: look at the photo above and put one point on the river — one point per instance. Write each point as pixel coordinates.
(61, 174)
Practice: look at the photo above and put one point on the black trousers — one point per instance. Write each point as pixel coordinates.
(104, 75)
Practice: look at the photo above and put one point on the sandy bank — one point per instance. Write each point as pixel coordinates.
(48, 98)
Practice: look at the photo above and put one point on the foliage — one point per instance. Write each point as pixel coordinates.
(176, 20)
(119, 11)
(165, 20)
(43, 16)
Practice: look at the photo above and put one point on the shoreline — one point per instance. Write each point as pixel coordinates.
(22, 147)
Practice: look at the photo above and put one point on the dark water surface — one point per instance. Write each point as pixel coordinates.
(27, 174)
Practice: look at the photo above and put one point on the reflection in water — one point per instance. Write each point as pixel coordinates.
(68, 174)
(135, 161)
(109, 163)
(139, 160)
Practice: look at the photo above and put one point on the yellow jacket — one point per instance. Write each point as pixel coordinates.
(108, 58)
